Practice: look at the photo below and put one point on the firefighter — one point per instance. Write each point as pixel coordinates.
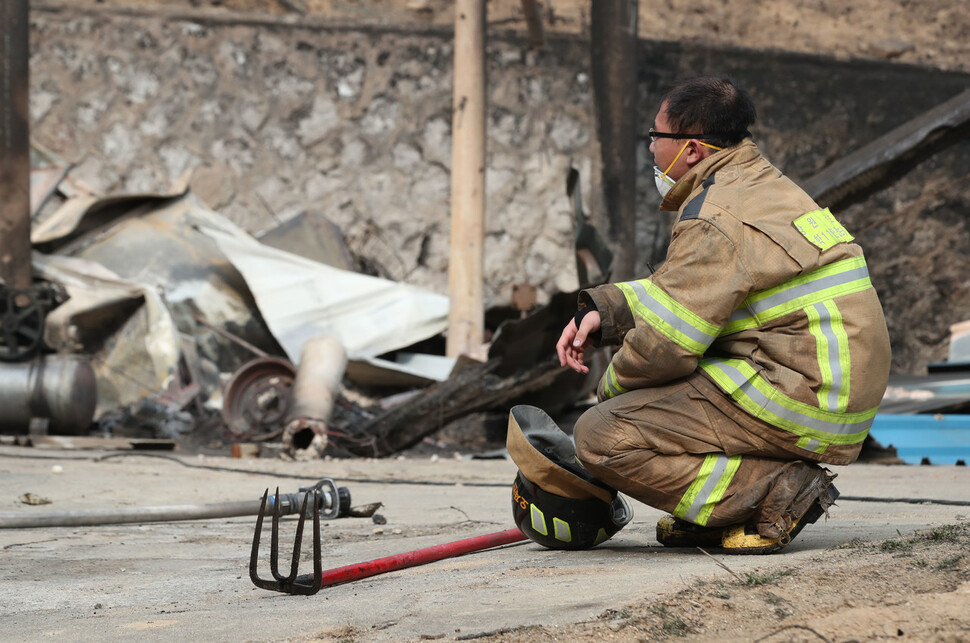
(755, 352)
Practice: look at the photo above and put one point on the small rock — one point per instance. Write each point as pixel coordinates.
(378, 531)
(890, 48)
(34, 499)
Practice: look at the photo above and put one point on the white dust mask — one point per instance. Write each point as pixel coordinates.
(664, 182)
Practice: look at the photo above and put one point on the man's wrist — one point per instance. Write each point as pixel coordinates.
(578, 319)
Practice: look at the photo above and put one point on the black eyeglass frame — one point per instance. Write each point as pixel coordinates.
(653, 135)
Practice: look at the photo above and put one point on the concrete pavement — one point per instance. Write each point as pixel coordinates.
(188, 580)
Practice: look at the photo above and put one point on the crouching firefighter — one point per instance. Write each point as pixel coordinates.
(756, 352)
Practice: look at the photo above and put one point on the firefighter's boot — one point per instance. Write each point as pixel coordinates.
(772, 530)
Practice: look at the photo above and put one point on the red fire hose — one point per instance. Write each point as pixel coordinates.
(417, 557)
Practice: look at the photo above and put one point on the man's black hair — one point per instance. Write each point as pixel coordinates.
(711, 105)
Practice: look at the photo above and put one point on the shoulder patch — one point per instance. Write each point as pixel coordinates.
(821, 229)
(693, 207)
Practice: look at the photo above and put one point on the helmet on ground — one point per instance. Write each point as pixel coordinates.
(556, 502)
(565, 523)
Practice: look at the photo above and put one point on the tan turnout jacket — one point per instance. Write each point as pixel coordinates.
(766, 294)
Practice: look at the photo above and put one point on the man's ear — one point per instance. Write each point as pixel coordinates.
(695, 153)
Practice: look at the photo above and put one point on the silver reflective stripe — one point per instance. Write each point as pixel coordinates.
(538, 520)
(791, 294)
(720, 466)
(812, 445)
(562, 531)
(741, 314)
(612, 387)
(835, 365)
(664, 313)
(747, 388)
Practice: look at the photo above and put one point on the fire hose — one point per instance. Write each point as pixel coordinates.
(332, 500)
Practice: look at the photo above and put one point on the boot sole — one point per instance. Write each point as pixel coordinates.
(810, 517)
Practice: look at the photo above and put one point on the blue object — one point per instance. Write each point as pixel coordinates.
(943, 439)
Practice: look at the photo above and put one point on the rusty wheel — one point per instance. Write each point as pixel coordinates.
(21, 324)
(257, 399)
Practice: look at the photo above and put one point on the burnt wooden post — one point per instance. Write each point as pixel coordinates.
(613, 67)
(15, 269)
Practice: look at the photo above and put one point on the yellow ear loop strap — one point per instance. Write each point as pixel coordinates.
(676, 157)
(713, 147)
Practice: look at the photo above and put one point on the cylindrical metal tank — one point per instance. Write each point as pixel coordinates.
(59, 388)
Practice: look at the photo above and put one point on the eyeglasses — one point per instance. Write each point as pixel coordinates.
(654, 135)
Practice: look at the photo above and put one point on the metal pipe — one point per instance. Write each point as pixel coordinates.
(238, 340)
(59, 388)
(89, 518)
(15, 270)
(289, 504)
(323, 361)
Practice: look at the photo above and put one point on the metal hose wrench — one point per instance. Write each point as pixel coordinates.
(328, 499)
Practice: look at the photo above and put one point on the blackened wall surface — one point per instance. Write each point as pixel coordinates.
(276, 119)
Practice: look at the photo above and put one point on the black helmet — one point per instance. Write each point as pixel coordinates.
(555, 501)
(565, 523)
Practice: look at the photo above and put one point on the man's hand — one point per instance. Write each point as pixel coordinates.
(574, 341)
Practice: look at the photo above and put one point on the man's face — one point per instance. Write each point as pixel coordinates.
(665, 150)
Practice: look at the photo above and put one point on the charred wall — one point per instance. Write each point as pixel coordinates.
(275, 119)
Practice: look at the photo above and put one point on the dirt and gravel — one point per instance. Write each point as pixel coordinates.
(914, 587)
(874, 570)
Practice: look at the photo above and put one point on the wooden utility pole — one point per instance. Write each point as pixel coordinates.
(15, 269)
(537, 36)
(466, 316)
(613, 65)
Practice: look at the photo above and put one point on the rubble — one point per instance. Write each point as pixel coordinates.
(191, 324)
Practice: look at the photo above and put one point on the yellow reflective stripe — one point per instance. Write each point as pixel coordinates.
(822, 229)
(691, 494)
(828, 270)
(672, 319)
(822, 353)
(538, 520)
(828, 282)
(832, 348)
(610, 385)
(708, 488)
(756, 396)
(732, 467)
(845, 360)
(601, 535)
(810, 444)
(561, 530)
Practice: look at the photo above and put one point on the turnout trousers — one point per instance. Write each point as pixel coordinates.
(686, 449)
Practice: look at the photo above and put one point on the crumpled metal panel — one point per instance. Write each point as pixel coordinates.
(301, 299)
(125, 327)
